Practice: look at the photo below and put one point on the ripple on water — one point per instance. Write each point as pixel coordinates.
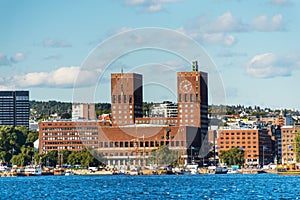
(151, 187)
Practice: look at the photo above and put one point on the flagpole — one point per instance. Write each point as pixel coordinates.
(263, 156)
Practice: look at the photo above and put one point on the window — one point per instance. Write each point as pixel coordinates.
(191, 97)
(185, 97)
(130, 98)
(196, 98)
(124, 98)
(113, 99)
(119, 98)
(152, 144)
(180, 98)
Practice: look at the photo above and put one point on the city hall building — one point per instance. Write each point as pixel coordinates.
(130, 138)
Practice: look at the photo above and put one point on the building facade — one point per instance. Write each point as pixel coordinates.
(165, 109)
(119, 145)
(130, 137)
(193, 98)
(256, 144)
(14, 108)
(126, 98)
(83, 112)
(288, 144)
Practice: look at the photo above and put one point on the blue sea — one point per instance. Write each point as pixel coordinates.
(234, 186)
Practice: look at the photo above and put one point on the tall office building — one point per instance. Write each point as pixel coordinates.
(14, 108)
(126, 98)
(193, 98)
(83, 111)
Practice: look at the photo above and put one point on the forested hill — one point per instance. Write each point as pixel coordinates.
(44, 109)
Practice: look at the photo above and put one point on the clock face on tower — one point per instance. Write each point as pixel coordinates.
(185, 86)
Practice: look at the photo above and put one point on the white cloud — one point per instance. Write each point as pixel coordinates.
(269, 65)
(220, 31)
(281, 2)
(155, 8)
(63, 77)
(3, 59)
(227, 23)
(18, 57)
(150, 5)
(54, 43)
(263, 23)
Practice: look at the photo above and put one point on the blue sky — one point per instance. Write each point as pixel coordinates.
(253, 44)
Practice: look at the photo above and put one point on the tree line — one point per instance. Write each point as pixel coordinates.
(17, 148)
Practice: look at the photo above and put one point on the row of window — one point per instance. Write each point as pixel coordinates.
(238, 142)
(69, 133)
(188, 98)
(238, 138)
(238, 133)
(121, 99)
(140, 144)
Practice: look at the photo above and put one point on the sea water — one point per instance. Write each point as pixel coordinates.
(233, 186)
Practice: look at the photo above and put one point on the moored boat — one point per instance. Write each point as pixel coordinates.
(33, 170)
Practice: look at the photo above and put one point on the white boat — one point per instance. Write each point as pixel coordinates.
(193, 169)
(221, 170)
(33, 170)
(69, 173)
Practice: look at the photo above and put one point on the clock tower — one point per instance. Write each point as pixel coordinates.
(192, 98)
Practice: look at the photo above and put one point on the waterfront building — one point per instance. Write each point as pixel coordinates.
(128, 137)
(289, 120)
(288, 145)
(193, 98)
(166, 109)
(256, 144)
(83, 112)
(14, 108)
(126, 98)
(276, 133)
(118, 144)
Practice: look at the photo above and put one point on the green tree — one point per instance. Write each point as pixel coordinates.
(23, 158)
(163, 156)
(297, 146)
(73, 158)
(32, 137)
(11, 141)
(233, 156)
(52, 157)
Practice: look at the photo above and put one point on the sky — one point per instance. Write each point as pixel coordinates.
(59, 49)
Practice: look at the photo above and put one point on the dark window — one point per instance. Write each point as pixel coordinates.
(119, 98)
(141, 144)
(185, 97)
(124, 98)
(113, 99)
(130, 98)
(191, 98)
(179, 98)
(196, 98)
(152, 144)
(121, 144)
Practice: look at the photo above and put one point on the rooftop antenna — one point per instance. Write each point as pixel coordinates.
(122, 70)
(195, 66)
